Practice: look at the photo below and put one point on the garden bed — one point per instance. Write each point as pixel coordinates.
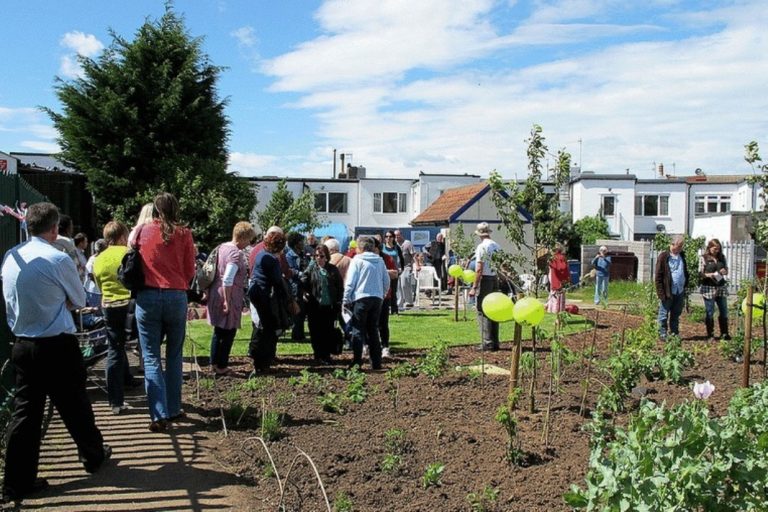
(447, 421)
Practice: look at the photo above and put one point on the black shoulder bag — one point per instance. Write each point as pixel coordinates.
(130, 273)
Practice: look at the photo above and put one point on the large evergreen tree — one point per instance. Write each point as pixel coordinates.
(146, 117)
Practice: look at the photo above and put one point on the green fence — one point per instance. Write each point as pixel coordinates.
(13, 189)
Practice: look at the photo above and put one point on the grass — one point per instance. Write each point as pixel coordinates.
(408, 331)
(618, 291)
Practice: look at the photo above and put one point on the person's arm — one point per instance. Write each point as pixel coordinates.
(69, 280)
(189, 257)
(351, 283)
(386, 278)
(478, 277)
(659, 277)
(227, 280)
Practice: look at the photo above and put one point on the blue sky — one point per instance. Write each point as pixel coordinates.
(435, 85)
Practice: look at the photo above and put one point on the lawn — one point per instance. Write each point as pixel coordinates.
(409, 330)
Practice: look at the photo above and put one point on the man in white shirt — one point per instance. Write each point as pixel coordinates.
(486, 281)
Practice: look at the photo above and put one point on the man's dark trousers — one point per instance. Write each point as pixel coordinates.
(50, 367)
(365, 329)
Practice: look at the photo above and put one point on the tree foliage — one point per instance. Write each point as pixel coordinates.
(590, 229)
(760, 178)
(146, 117)
(462, 245)
(291, 214)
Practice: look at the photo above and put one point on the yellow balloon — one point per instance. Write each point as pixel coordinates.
(353, 244)
(528, 311)
(469, 276)
(758, 305)
(455, 271)
(497, 307)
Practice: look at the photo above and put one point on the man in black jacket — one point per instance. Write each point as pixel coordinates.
(671, 280)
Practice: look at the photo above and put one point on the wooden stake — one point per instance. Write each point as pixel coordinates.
(515, 367)
(747, 340)
(532, 405)
(589, 366)
(456, 299)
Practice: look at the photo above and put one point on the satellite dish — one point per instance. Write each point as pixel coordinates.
(661, 228)
(698, 172)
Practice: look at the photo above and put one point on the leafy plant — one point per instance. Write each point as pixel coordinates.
(680, 459)
(332, 402)
(342, 503)
(307, 379)
(674, 360)
(483, 501)
(207, 383)
(434, 363)
(356, 391)
(734, 348)
(391, 463)
(433, 475)
(396, 446)
(507, 418)
(258, 383)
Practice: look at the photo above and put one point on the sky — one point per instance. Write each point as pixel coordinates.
(439, 86)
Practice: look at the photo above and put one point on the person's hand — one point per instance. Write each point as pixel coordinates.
(724, 271)
(472, 291)
(225, 307)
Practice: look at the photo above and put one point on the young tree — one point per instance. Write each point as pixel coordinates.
(288, 212)
(590, 229)
(463, 246)
(146, 117)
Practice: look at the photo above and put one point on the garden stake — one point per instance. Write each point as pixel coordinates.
(456, 299)
(623, 327)
(513, 371)
(532, 405)
(589, 366)
(747, 340)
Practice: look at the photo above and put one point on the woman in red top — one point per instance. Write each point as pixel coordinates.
(558, 278)
(168, 258)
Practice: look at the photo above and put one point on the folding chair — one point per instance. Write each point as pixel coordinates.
(427, 280)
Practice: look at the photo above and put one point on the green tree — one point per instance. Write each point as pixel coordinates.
(146, 117)
(760, 178)
(590, 229)
(289, 213)
(463, 246)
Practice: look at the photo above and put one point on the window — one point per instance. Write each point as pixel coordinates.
(331, 202)
(608, 206)
(389, 202)
(712, 204)
(652, 206)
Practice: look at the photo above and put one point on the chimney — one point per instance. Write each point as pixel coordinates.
(661, 170)
(343, 169)
(334, 163)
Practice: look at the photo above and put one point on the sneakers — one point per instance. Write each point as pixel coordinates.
(385, 353)
(117, 409)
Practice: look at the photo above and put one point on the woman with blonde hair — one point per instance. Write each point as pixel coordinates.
(226, 295)
(168, 259)
(145, 217)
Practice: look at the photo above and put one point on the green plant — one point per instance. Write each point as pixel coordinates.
(207, 383)
(356, 391)
(332, 402)
(391, 463)
(307, 379)
(342, 503)
(507, 418)
(734, 348)
(673, 360)
(257, 383)
(271, 425)
(680, 459)
(396, 446)
(433, 475)
(484, 500)
(435, 362)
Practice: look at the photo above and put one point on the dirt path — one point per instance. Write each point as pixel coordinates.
(151, 472)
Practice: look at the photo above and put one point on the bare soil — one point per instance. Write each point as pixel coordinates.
(449, 420)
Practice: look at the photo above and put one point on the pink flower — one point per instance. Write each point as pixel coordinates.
(702, 390)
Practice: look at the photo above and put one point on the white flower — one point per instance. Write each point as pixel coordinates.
(702, 390)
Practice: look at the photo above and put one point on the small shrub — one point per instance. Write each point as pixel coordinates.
(332, 402)
(506, 417)
(483, 501)
(432, 475)
(674, 360)
(435, 362)
(391, 463)
(307, 379)
(255, 384)
(342, 503)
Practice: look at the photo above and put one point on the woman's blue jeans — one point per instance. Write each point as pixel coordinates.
(162, 313)
(722, 306)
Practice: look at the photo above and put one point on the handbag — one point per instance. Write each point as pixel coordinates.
(130, 273)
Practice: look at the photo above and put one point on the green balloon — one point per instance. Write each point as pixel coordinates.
(528, 311)
(469, 276)
(455, 271)
(497, 307)
(758, 305)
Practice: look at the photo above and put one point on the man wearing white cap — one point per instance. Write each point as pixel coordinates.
(486, 282)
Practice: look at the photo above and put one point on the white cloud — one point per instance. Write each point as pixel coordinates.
(32, 127)
(692, 100)
(78, 43)
(245, 36)
(251, 164)
(40, 146)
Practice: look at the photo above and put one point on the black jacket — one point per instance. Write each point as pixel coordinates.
(664, 276)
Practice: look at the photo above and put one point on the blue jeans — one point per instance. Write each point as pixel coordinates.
(601, 289)
(365, 329)
(118, 371)
(162, 313)
(670, 310)
(722, 306)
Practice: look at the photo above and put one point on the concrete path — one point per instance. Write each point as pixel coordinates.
(175, 470)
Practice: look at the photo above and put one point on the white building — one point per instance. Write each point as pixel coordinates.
(8, 164)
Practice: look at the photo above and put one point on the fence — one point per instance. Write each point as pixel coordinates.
(740, 257)
(13, 189)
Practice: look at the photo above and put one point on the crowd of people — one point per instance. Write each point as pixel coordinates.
(286, 280)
